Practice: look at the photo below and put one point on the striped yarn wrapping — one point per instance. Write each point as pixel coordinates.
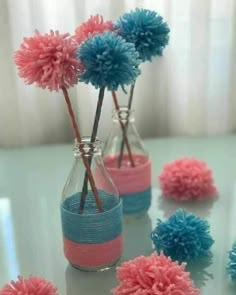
(133, 183)
(92, 240)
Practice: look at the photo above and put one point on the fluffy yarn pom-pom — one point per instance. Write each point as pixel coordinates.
(146, 29)
(94, 25)
(30, 286)
(48, 60)
(154, 274)
(108, 61)
(183, 236)
(187, 179)
(232, 262)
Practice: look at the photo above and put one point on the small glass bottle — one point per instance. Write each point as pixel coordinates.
(128, 163)
(92, 237)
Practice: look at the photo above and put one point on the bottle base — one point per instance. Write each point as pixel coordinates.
(130, 217)
(96, 268)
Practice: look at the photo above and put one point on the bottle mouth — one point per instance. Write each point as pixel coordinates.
(86, 147)
(123, 114)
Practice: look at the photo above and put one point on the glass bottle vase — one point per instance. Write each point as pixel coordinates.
(128, 163)
(92, 230)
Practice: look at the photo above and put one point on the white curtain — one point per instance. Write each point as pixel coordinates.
(191, 90)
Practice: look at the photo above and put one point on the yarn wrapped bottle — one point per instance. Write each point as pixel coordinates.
(128, 163)
(91, 225)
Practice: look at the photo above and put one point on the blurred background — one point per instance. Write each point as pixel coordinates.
(190, 91)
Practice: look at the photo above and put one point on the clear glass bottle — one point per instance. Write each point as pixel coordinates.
(92, 229)
(128, 163)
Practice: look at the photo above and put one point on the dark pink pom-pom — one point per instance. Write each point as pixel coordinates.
(49, 60)
(155, 274)
(94, 25)
(30, 286)
(187, 179)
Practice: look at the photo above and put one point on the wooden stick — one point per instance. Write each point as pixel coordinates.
(122, 125)
(126, 127)
(93, 138)
(85, 161)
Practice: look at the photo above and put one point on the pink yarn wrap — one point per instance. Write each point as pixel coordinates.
(93, 255)
(129, 179)
(187, 179)
(94, 25)
(155, 274)
(48, 60)
(30, 286)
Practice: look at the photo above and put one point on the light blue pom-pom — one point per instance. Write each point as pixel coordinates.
(232, 262)
(183, 237)
(146, 29)
(108, 61)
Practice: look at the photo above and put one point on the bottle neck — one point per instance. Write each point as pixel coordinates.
(86, 148)
(123, 114)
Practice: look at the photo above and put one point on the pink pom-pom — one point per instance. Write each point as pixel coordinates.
(48, 60)
(155, 274)
(187, 179)
(94, 25)
(30, 286)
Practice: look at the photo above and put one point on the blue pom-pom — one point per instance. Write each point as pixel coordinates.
(183, 237)
(108, 61)
(232, 262)
(146, 29)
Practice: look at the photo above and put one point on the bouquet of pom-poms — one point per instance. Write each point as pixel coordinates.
(93, 55)
(101, 53)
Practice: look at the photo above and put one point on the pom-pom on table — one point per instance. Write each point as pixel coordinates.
(231, 267)
(187, 179)
(31, 285)
(183, 237)
(154, 274)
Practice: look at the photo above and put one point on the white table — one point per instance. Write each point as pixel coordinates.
(31, 181)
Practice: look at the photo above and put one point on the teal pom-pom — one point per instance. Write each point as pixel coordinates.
(232, 262)
(146, 29)
(108, 61)
(183, 237)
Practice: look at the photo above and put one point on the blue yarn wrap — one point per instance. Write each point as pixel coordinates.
(91, 227)
(231, 267)
(136, 202)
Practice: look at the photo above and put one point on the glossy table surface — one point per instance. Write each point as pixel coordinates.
(31, 181)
